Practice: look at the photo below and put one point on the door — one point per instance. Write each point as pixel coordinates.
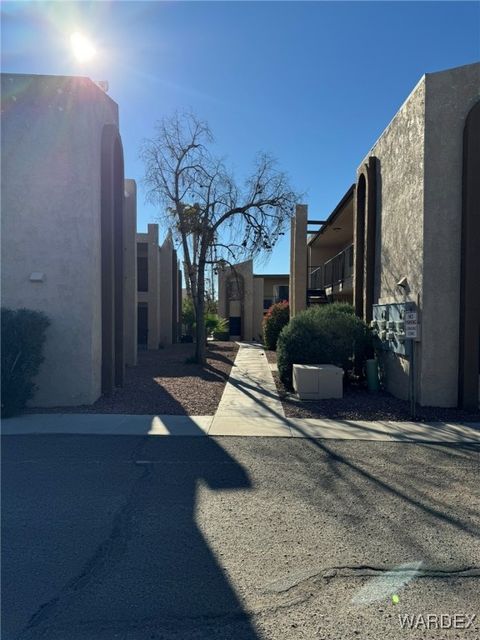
(235, 326)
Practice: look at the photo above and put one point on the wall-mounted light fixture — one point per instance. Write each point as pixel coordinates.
(37, 276)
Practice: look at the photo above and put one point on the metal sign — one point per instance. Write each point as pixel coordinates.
(411, 325)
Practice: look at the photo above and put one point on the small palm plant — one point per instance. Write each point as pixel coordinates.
(215, 324)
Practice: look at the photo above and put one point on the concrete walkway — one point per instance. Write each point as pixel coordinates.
(250, 401)
(143, 425)
(250, 406)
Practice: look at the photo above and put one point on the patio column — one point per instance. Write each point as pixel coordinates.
(298, 260)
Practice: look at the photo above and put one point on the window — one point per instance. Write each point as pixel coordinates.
(283, 292)
(280, 292)
(142, 273)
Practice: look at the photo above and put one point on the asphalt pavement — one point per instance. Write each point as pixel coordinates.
(136, 538)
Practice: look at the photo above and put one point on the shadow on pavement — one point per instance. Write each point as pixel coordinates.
(153, 575)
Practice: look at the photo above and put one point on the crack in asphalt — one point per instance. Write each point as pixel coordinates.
(116, 540)
(366, 571)
(301, 588)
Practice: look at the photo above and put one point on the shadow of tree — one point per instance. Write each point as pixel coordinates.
(343, 480)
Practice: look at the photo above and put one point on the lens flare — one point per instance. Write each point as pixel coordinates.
(82, 48)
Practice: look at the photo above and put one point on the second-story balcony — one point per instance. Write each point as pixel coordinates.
(336, 272)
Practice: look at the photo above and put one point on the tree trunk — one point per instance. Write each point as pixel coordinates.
(188, 285)
(200, 347)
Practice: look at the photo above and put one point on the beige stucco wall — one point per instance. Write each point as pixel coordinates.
(258, 295)
(449, 97)
(270, 282)
(130, 272)
(317, 256)
(245, 270)
(399, 229)
(256, 288)
(222, 293)
(166, 291)
(164, 279)
(419, 200)
(399, 222)
(51, 143)
(298, 260)
(151, 296)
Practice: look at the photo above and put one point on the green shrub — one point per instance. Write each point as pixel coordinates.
(336, 307)
(215, 324)
(325, 334)
(188, 315)
(23, 337)
(273, 322)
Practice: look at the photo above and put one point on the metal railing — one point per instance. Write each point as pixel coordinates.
(315, 277)
(334, 271)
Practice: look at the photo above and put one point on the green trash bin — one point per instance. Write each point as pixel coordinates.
(373, 383)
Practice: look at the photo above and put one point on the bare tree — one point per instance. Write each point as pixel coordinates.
(213, 219)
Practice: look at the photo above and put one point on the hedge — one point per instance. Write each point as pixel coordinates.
(22, 340)
(274, 320)
(324, 334)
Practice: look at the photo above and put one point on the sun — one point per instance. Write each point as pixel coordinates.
(82, 48)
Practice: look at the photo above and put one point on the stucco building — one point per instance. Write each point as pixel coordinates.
(66, 234)
(413, 214)
(244, 297)
(159, 290)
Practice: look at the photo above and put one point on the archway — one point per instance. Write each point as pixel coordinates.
(235, 305)
(364, 240)
(359, 244)
(469, 338)
(112, 245)
(370, 232)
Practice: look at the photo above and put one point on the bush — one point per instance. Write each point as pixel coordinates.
(327, 334)
(23, 337)
(337, 307)
(214, 324)
(273, 322)
(188, 315)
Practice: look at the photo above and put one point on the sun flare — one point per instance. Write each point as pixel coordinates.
(82, 48)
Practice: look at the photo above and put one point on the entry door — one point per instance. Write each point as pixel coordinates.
(235, 326)
(142, 324)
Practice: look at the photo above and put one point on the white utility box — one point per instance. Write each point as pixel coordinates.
(317, 381)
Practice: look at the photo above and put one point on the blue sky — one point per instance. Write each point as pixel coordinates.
(314, 83)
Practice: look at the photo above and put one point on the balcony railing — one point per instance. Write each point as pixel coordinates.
(333, 272)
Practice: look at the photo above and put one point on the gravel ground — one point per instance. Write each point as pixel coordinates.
(162, 383)
(271, 356)
(358, 404)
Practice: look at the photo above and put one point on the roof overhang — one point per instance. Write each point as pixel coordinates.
(338, 229)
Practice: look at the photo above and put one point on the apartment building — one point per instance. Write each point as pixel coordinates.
(244, 298)
(68, 231)
(330, 255)
(406, 237)
(159, 291)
